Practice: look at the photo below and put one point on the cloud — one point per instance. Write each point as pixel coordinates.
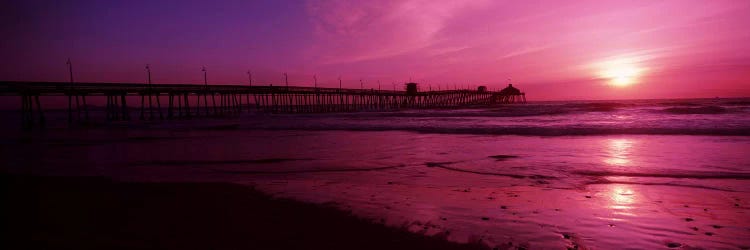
(524, 51)
(354, 31)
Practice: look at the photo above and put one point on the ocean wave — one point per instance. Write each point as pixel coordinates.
(86, 142)
(530, 111)
(671, 184)
(688, 104)
(697, 110)
(445, 165)
(599, 106)
(531, 131)
(218, 162)
(737, 103)
(515, 111)
(686, 175)
(303, 171)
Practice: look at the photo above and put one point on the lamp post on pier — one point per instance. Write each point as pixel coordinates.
(250, 78)
(205, 76)
(148, 73)
(286, 80)
(70, 70)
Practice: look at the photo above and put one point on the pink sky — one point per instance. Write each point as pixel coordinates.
(552, 50)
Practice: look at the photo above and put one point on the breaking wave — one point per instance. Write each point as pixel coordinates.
(697, 110)
(535, 131)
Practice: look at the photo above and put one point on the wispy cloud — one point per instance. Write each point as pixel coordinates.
(684, 42)
(353, 31)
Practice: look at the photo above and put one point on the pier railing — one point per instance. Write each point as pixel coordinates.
(234, 99)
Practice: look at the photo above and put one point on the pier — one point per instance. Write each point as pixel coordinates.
(183, 101)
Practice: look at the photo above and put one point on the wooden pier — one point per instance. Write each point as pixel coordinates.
(223, 100)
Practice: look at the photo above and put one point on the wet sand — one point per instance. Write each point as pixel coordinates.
(98, 213)
(598, 192)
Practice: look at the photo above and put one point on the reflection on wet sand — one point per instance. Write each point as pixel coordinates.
(622, 199)
(642, 192)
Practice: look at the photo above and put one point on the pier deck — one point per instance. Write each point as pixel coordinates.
(234, 99)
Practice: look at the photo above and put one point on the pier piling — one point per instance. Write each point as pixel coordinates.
(270, 99)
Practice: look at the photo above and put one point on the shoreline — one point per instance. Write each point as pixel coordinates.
(44, 212)
(534, 192)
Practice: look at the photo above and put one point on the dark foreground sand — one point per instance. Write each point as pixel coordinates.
(98, 213)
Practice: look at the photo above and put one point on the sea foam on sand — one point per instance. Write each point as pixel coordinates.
(609, 191)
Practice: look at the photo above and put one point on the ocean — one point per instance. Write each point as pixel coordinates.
(637, 174)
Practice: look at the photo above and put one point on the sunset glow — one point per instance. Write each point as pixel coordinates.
(651, 49)
(620, 72)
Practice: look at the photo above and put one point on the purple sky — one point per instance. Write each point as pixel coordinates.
(550, 49)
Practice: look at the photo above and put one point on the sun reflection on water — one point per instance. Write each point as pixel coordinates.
(618, 151)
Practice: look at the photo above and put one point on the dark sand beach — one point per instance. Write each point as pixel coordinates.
(439, 179)
(99, 213)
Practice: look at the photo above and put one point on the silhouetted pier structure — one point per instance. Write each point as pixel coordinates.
(510, 94)
(222, 100)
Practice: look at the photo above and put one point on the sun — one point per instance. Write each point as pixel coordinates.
(621, 76)
(620, 72)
